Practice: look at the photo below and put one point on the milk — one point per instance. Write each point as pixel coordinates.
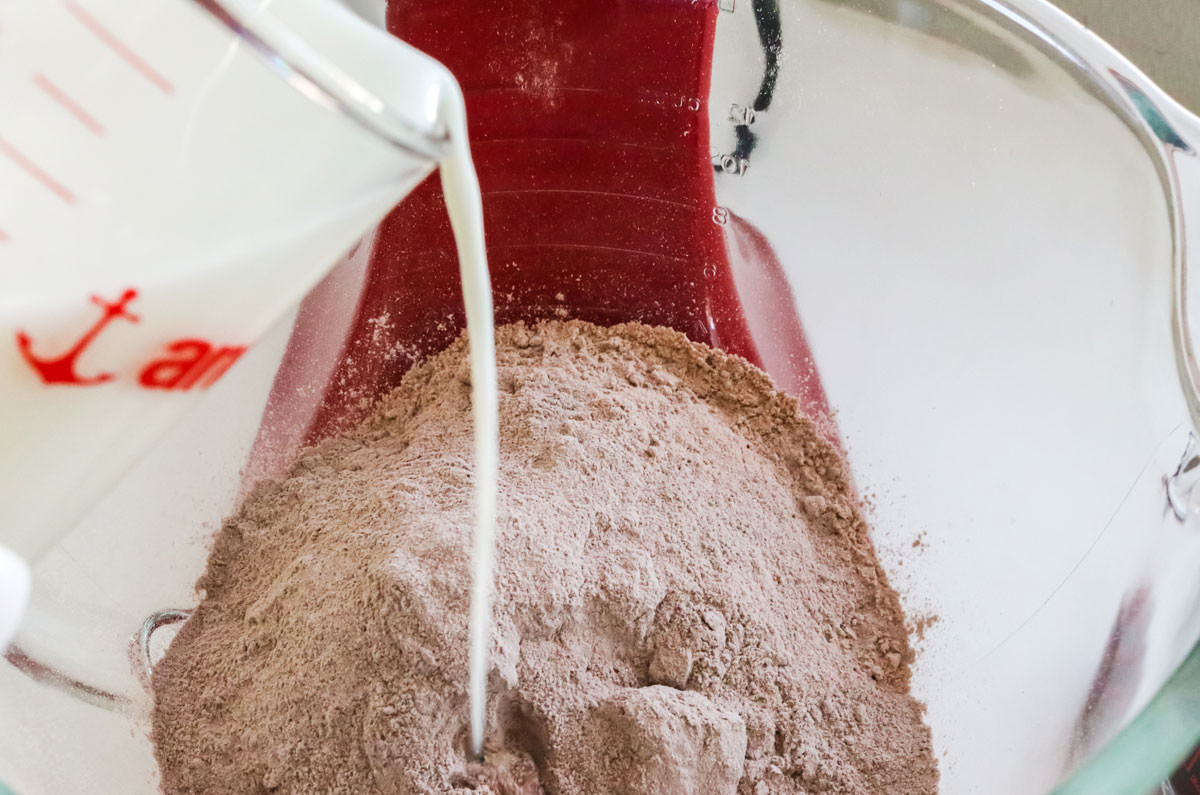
(466, 217)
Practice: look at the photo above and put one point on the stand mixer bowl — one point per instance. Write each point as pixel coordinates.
(956, 230)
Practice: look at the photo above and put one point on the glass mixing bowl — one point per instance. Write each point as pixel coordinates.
(956, 228)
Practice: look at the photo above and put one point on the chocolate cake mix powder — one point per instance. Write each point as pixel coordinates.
(687, 598)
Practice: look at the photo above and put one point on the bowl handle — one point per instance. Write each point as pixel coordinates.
(1176, 133)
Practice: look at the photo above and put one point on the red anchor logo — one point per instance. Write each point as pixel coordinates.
(61, 370)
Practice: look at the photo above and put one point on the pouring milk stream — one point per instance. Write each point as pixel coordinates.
(174, 177)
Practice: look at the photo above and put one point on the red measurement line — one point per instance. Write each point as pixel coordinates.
(68, 104)
(119, 47)
(33, 170)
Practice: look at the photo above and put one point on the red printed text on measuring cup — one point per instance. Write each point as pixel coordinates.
(61, 369)
(180, 365)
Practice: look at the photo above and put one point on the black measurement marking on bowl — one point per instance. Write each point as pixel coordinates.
(739, 114)
(731, 164)
(770, 36)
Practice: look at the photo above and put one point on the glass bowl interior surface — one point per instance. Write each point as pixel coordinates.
(979, 246)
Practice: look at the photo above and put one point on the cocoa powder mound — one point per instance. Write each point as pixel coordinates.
(687, 598)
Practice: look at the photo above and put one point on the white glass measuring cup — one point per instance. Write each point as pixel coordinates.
(174, 176)
(177, 177)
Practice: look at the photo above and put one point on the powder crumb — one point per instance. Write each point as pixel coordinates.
(921, 624)
(708, 619)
